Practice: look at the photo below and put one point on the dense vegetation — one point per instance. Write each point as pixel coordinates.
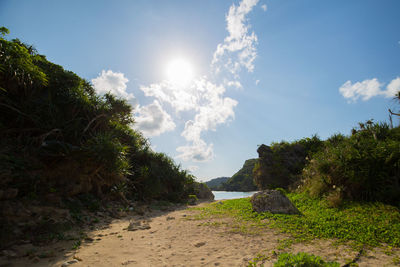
(242, 180)
(59, 137)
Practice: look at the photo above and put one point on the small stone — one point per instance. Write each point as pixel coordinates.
(77, 258)
(170, 218)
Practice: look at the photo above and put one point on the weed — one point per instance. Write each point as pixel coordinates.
(396, 260)
(258, 259)
(76, 245)
(302, 259)
(285, 243)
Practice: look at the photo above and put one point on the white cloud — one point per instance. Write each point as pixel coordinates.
(180, 98)
(236, 84)
(264, 7)
(368, 88)
(152, 120)
(113, 82)
(240, 44)
(198, 151)
(393, 88)
(365, 89)
(217, 111)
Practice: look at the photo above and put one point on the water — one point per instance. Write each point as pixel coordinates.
(231, 195)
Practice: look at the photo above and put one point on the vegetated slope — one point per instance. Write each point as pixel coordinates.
(242, 180)
(213, 184)
(59, 139)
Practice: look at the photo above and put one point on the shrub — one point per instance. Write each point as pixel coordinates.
(364, 166)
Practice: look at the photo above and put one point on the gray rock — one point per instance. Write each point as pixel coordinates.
(133, 226)
(273, 201)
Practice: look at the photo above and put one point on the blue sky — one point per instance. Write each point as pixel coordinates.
(256, 71)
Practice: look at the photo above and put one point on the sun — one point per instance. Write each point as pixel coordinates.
(179, 72)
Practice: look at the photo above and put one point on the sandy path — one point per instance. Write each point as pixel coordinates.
(176, 240)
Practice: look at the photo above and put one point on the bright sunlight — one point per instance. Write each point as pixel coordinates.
(179, 72)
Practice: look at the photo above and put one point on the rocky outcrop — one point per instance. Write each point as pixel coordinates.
(273, 201)
(279, 165)
(203, 192)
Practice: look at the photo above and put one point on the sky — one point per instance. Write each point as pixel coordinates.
(210, 80)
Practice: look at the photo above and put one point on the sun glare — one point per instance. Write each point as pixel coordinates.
(179, 72)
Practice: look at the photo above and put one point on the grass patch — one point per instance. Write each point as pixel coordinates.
(363, 223)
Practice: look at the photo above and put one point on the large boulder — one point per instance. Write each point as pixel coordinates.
(273, 201)
(203, 192)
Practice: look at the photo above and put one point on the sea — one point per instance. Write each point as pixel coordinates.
(219, 195)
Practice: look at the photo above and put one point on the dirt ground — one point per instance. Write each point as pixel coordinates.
(174, 238)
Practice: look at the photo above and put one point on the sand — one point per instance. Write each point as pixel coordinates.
(175, 238)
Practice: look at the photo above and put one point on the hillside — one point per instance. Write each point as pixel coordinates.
(213, 184)
(242, 180)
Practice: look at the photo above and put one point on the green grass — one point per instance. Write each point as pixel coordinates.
(363, 223)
